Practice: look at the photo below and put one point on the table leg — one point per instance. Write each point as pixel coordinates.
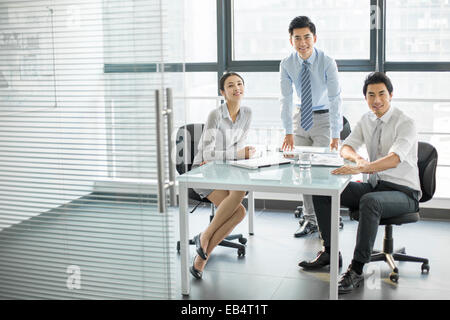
(251, 211)
(334, 265)
(184, 238)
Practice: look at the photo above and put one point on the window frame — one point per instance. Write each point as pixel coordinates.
(225, 61)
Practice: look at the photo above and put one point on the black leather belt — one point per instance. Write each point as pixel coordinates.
(321, 111)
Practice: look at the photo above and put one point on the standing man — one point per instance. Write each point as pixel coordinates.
(393, 187)
(319, 117)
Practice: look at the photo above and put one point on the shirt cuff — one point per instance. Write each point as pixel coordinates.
(289, 130)
(335, 133)
(399, 153)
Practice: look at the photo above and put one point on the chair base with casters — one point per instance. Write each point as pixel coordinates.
(227, 242)
(390, 255)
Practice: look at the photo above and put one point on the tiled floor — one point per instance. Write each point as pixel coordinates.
(269, 269)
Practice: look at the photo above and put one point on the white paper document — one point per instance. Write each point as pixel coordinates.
(256, 163)
(298, 150)
(327, 160)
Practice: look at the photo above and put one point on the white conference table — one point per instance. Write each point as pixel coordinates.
(287, 178)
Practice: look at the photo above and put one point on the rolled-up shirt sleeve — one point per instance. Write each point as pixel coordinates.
(334, 97)
(286, 99)
(404, 140)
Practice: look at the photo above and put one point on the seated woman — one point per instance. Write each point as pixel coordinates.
(223, 138)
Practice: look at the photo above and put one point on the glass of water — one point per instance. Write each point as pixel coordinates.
(304, 161)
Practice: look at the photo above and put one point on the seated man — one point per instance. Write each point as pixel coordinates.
(393, 187)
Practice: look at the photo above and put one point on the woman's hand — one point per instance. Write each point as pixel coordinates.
(204, 162)
(246, 153)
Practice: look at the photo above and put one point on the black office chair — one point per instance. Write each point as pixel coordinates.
(427, 162)
(194, 132)
(346, 129)
(345, 132)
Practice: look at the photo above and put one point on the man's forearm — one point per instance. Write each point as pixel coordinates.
(286, 117)
(349, 153)
(286, 100)
(388, 162)
(364, 166)
(335, 109)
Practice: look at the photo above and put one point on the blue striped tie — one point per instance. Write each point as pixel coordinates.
(306, 109)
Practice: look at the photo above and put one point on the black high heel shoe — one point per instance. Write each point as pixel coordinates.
(196, 273)
(199, 248)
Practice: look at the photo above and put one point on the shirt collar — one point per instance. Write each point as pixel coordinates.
(385, 117)
(226, 113)
(311, 59)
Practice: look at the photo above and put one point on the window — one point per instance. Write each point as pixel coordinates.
(261, 27)
(193, 35)
(201, 32)
(262, 93)
(256, 38)
(418, 30)
(195, 95)
(353, 105)
(424, 96)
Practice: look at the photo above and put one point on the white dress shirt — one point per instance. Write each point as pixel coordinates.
(398, 135)
(222, 138)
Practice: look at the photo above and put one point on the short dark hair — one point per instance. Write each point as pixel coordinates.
(377, 77)
(225, 77)
(302, 22)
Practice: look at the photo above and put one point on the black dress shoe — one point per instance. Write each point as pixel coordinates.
(199, 248)
(196, 273)
(306, 227)
(350, 280)
(322, 260)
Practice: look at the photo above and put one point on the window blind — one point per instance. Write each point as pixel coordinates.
(79, 215)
